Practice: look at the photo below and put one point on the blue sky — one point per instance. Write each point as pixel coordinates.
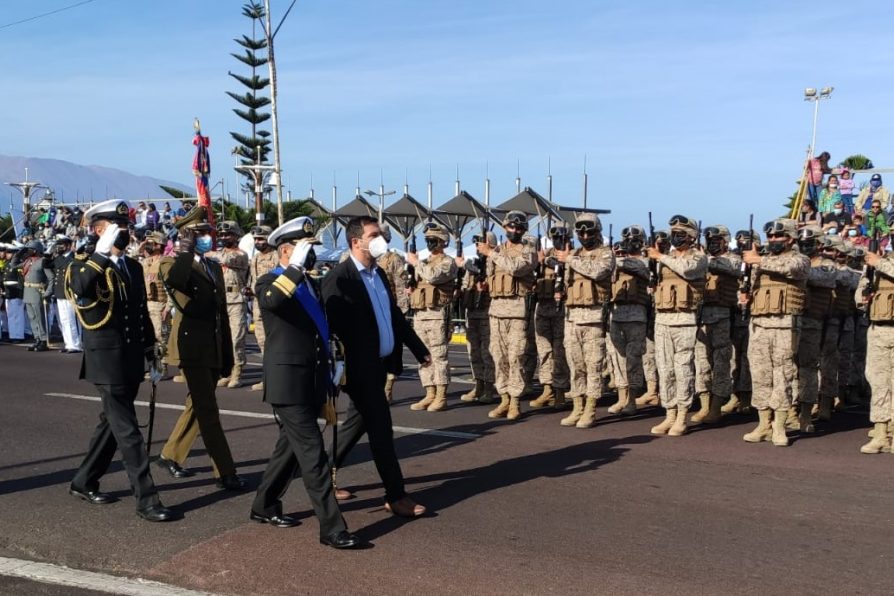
(692, 107)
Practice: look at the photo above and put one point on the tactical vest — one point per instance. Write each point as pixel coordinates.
(629, 289)
(545, 287)
(428, 295)
(721, 290)
(384, 263)
(155, 290)
(881, 309)
(583, 291)
(503, 284)
(676, 294)
(774, 294)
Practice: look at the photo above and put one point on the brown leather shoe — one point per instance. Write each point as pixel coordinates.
(405, 507)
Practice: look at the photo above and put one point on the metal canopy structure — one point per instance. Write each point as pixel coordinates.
(530, 202)
(570, 214)
(359, 207)
(405, 214)
(457, 212)
(320, 213)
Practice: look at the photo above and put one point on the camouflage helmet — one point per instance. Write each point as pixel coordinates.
(386, 232)
(434, 230)
(718, 230)
(516, 218)
(261, 231)
(633, 232)
(744, 236)
(229, 227)
(681, 223)
(783, 225)
(811, 232)
(560, 228)
(588, 222)
(833, 242)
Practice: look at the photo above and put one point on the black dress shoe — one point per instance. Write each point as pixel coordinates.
(231, 482)
(157, 513)
(40, 347)
(94, 497)
(173, 468)
(280, 521)
(343, 539)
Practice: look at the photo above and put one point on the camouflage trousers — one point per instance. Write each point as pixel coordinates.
(260, 335)
(829, 359)
(880, 371)
(507, 347)
(529, 360)
(627, 341)
(771, 351)
(478, 344)
(585, 350)
(433, 333)
(650, 369)
(236, 312)
(809, 351)
(155, 308)
(550, 340)
(741, 369)
(675, 359)
(713, 352)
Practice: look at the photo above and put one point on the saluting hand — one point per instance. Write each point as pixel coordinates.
(107, 239)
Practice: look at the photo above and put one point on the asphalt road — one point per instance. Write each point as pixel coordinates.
(517, 508)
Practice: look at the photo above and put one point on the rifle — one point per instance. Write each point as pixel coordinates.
(559, 288)
(337, 372)
(746, 278)
(653, 265)
(457, 306)
(409, 270)
(869, 272)
(698, 236)
(155, 374)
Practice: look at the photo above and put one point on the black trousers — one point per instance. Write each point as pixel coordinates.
(118, 429)
(370, 413)
(299, 450)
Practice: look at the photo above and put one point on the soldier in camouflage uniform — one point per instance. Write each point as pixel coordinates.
(588, 283)
(713, 346)
(741, 370)
(681, 285)
(857, 386)
(394, 267)
(476, 302)
(510, 276)
(529, 361)
(875, 294)
(650, 368)
(263, 262)
(820, 293)
(549, 324)
(156, 296)
(430, 300)
(234, 263)
(777, 302)
(629, 319)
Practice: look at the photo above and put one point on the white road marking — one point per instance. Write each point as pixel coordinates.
(89, 580)
(407, 430)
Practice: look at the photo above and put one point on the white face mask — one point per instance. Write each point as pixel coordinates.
(378, 246)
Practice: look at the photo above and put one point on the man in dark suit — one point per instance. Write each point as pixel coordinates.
(364, 315)
(118, 339)
(296, 384)
(200, 345)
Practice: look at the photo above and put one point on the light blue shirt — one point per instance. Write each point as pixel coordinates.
(378, 295)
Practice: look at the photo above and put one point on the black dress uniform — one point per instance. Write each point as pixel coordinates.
(296, 384)
(111, 303)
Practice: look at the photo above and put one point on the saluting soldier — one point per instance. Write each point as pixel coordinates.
(263, 261)
(200, 345)
(678, 297)
(778, 297)
(588, 271)
(430, 300)
(118, 340)
(476, 302)
(549, 323)
(234, 263)
(629, 318)
(713, 347)
(510, 276)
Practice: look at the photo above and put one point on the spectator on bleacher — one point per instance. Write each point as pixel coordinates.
(856, 233)
(809, 214)
(846, 188)
(874, 190)
(829, 195)
(817, 167)
(835, 222)
(152, 218)
(876, 220)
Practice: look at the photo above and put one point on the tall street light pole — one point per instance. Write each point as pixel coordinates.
(810, 94)
(381, 194)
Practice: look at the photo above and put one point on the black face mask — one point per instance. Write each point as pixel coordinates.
(777, 247)
(310, 260)
(122, 240)
(514, 236)
(261, 246)
(715, 246)
(432, 244)
(633, 246)
(807, 247)
(679, 239)
(228, 242)
(589, 242)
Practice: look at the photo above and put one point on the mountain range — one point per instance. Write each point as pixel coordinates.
(73, 182)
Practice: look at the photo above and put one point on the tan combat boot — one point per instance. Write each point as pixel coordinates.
(805, 421)
(763, 431)
(425, 401)
(389, 387)
(779, 437)
(879, 440)
(825, 408)
(670, 416)
(704, 400)
(679, 427)
(588, 416)
(545, 399)
(258, 386)
(487, 395)
(560, 402)
(474, 393)
(222, 382)
(502, 409)
(730, 406)
(440, 402)
(714, 414)
(235, 379)
(792, 418)
(514, 412)
(650, 397)
(577, 409)
(179, 378)
(623, 399)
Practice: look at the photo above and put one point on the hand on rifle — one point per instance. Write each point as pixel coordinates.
(562, 255)
(751, 257)
(460, 261)
(653, 253)
(483, 248)
(872, 259)
(412, 258)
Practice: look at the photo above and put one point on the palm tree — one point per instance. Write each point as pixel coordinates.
(857, 162)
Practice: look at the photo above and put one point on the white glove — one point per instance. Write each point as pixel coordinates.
(299, 255)
(105, 242)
